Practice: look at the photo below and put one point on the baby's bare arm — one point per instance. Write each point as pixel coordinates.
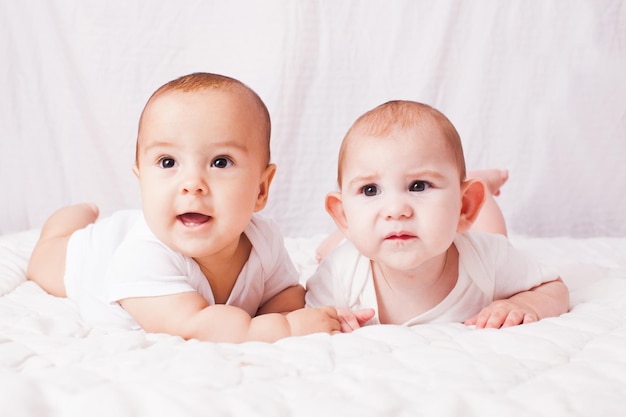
(188, 315)
(549, 299)
(287, 300)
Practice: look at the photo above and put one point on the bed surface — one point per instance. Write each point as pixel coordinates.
(52, 364)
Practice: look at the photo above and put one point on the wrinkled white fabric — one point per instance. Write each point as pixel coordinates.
(52, 363)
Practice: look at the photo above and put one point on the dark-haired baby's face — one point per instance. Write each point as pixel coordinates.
(200, 165)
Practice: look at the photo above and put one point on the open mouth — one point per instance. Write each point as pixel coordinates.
(193, 219)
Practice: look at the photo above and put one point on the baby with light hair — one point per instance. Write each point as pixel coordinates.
(406, 209)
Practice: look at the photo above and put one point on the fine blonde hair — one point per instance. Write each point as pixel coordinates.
(402, 114)
(204, 80)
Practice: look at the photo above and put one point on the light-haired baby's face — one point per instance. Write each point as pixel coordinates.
(401, 195)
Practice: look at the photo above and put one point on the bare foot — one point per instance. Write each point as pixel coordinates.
(493, 178)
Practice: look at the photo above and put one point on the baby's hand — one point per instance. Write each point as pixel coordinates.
(353, 319)
(503, 313)
(313, 320)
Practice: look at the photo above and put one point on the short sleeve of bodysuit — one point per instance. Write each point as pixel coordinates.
(144, 267)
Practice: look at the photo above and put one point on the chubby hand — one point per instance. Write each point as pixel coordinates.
(313, 320)
(353, 319)
(503, 313)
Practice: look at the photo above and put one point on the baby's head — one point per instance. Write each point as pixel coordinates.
(205, 81)
(403, 193)
(203, 162)
(395, 116)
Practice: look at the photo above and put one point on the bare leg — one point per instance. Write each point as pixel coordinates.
(494, 178)
(328, 244)
(47, 262)
(490, 218)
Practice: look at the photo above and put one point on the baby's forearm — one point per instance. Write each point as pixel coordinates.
(289, 299)
(221, 323)
(549, 299)
(188, 315)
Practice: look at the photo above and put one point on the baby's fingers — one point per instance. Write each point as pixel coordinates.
(494, 317)
(497, 318)
(353, 319)
(514, 318)
(348, 320)
(364, 315)
(530, 318)
(471, 321)
(333, 319)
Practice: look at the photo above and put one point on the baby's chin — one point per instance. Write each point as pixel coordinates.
(195, 250)
(398, 261)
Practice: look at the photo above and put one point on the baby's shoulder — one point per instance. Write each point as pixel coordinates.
(346, 260)
(480, 243)
(262, 228)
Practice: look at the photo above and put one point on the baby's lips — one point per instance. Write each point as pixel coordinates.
(193, 219)
(400, 236)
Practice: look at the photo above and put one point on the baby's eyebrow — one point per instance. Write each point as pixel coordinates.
(219, 146)
(426, 174)
(360, 179)
(158, 144)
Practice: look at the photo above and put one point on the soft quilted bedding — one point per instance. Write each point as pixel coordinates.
(52, 364)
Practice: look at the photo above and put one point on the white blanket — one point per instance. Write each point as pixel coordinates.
(52, 364)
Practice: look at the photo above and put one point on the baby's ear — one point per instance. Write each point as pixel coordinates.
(334, 207)
(472, 199)
(264, 187)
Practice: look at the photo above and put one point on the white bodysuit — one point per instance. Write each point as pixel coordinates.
(489, 269)
(119, 257)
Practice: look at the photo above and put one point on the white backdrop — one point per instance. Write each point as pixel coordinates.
(535, 87)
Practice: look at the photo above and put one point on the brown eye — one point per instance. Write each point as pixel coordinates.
(370, 190)
(222, 162)
(167, 163)
(418, 186)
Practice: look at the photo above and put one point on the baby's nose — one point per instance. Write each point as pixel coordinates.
(194, 183)
(397, 207)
